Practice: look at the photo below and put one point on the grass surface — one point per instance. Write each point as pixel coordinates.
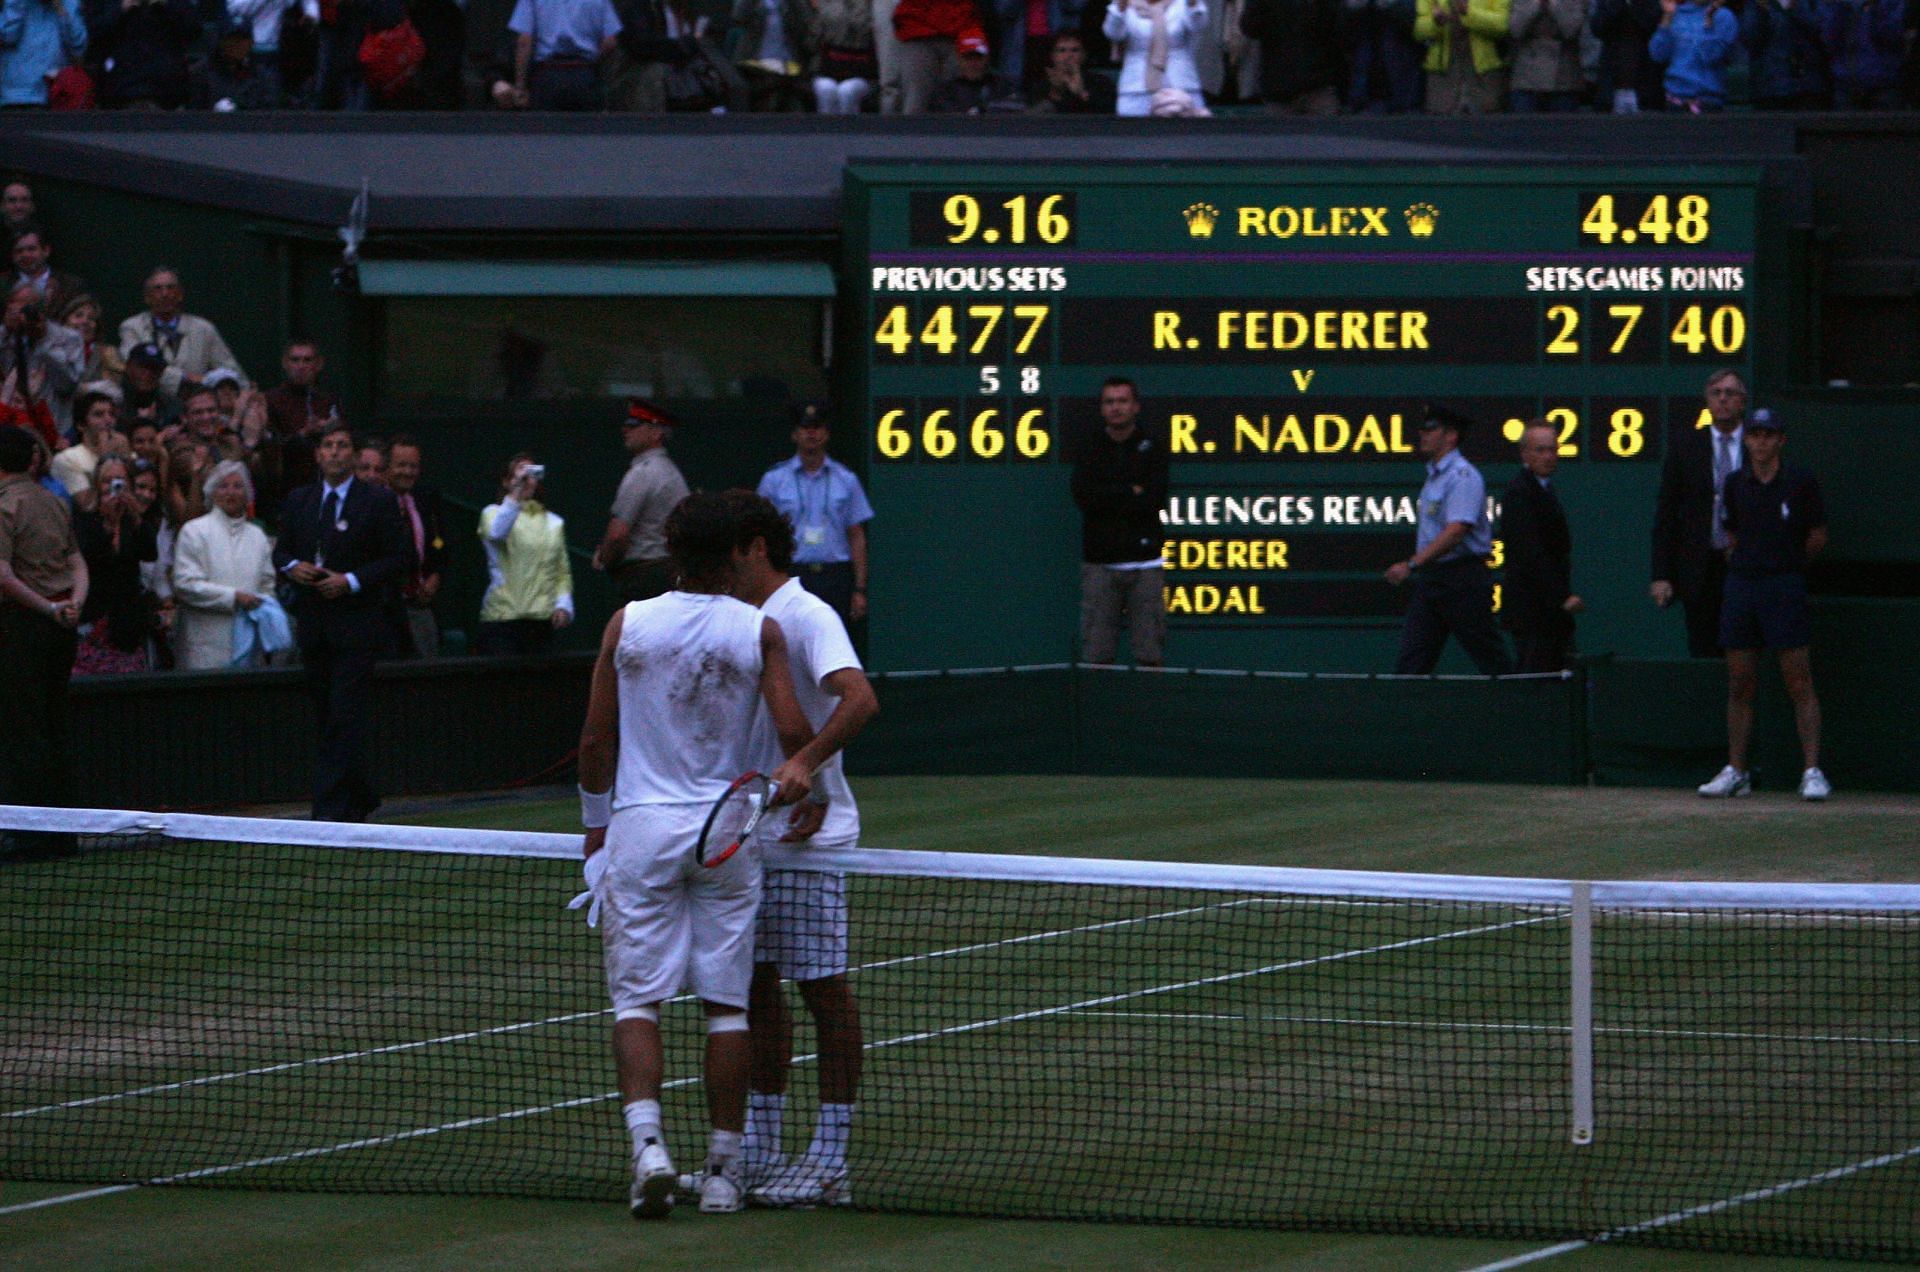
(1481, 830)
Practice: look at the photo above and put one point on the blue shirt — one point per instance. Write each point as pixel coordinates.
(822, 505)
(570, 29)
(1695, 50)
(1454, 492)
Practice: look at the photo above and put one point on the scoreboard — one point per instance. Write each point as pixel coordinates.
(1286, 327)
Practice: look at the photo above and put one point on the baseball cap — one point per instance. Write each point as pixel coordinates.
(640, 411)
(219, 376)
(1766, 420)
(1443, 417)
(811, 415)
(147, 355)
(973, 42)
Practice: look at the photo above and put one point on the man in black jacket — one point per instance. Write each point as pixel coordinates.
(344, 547)
(1537, 600)
(1689, 543)
(1120, 485)
(417, 630)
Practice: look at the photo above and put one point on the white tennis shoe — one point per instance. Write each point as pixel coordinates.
(1814, 785)
(721, 1189)
(1728, 783)
(805, 1184)
(654, 1182)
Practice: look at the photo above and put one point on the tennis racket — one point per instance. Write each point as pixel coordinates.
(731, 820)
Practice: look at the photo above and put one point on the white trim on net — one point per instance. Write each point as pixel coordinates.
(1679, 897)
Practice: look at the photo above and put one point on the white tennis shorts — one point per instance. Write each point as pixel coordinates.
(669, 923)
(803, 924)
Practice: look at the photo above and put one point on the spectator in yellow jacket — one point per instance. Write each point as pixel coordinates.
(1466, 67)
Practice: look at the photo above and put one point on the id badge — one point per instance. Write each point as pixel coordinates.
(813, 535)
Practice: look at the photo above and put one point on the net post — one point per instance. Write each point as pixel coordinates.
(1581, 965)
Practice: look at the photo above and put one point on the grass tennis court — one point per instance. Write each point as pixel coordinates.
(1492, 830)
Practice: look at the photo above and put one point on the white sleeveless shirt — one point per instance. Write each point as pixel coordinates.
(689, 674)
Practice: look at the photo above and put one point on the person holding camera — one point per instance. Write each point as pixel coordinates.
(40, 367)
(530, 583)
(118, 617)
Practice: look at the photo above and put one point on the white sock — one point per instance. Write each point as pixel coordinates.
(765, 1118)
(830, 1137)
(643, 1123)
(723, 1145)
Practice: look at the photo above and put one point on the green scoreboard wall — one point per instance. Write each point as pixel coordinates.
(1285, 328)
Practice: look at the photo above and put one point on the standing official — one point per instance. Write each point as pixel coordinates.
(1538, 601)
(1776, 522)
(1120, 486)
(43, 588)
(344, 547)
(829, 511)
(634, 549)
(1689, 541)
(1452, 591)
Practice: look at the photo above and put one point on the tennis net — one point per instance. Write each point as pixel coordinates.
(295, 1005)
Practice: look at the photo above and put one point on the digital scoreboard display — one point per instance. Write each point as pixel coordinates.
(1286, 327)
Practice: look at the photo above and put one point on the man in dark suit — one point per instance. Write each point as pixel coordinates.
(1689, 543)
(344, 548)
(416, 628)
(1537, 600)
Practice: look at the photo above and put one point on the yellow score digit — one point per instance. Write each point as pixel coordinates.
(963, 213)
(1692, 226)
(1568, 421)
(986, 440)
(893, 332)
(892, 440)
(1626, 435)
(1599, 220)
(1030, 436)
(1036, 316)
(936, 439)
(1725, 329)
(1629, 316)
(1564, 345)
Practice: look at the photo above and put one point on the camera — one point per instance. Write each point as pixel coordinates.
(118, 486)
(534, 472)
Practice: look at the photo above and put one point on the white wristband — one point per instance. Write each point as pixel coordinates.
(596, 809)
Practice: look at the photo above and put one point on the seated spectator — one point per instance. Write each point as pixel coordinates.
(665, 62)
(222, 565)
(1466, 64)
(1694, 42)
(1629, 81)
(1158, 40)
(37, 39)
(144, 50)
(143, 398)
(925, 32)
(117, 621)
(190, 345)
(265, 20)
(40, 365)
(1299, 54)
(1068, 89)
(33, 265)
(370, 462)
(1789, 62)
(978, 89)
(1865, 40)
(96, 420)
(1383, 58)
(557, 50)
(844, 68)
(229, 78)
(772, 42)
(243, 409)
(156, 575)
(530, 588)
(1547, 76)
(16, 205)
(102, 360)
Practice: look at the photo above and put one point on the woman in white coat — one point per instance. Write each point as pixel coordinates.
(1159, 36)
(221, 563)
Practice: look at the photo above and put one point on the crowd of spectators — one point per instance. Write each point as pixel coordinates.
(1127, 57)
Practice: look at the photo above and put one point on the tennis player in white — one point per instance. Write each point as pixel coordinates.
(675, 691)
(801, 933)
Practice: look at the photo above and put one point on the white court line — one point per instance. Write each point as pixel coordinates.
(1629, 1031)
(470, 1035)
(1705, 1208)
(468, 1123)
(64, 1198)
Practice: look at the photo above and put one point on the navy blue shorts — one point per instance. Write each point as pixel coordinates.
(1769, 612)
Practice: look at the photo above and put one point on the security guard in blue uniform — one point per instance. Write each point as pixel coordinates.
(1452, 590)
